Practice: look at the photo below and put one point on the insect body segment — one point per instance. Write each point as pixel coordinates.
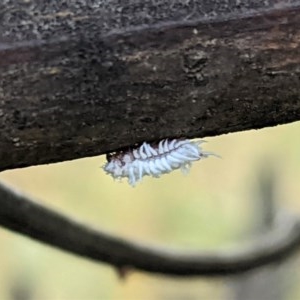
(154, 159)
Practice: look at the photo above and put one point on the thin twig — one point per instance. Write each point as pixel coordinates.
(22, 215)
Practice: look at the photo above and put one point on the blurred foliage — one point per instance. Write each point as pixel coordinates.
(211, 208)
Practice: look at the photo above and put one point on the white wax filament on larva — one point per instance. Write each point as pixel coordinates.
(154, 159)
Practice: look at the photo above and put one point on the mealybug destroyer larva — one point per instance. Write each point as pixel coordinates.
(154, 159)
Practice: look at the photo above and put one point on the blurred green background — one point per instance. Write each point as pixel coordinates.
(213, 207)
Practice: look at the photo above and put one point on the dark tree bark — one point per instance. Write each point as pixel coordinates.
(83, 79)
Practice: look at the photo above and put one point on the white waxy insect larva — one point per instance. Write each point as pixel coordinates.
(172, 157)
(144, 148)
(185, 168)
(131, 172)
(154, 159)
(161, 147)
(166, 146)
(153, 168)
(160, 167)
(183, 142)
(140, 169)
(153, 151)
(135, 153)
(142, 153)
(147, 150)
(172, 144)
(165, 164)
(181, 156)
(146, 168)
(192, 148)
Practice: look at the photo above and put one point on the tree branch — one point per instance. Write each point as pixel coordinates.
(79, 80)
(24, 216)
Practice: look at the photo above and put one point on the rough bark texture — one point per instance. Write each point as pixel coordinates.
(81, 78)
